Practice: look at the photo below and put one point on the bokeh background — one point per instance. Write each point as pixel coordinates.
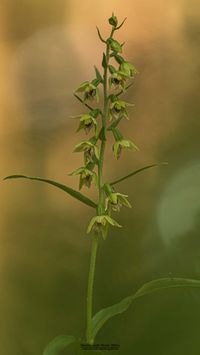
(47, 48)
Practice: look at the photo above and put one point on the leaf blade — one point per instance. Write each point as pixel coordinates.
(58, 344)
(135, 172)
(101, 317)
(76, 194)
(98, 74)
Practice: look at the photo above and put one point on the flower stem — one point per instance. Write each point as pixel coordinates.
(90, 288)
(100, 207)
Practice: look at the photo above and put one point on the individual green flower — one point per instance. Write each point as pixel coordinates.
(114, 200)
(113, 21)
(90, 150)
(86, 176)
(123, 143)
(99, 224)
(118, 79)
(128, 69)
(118, 108)
(115, 45)
(87, 121)
(89, 90)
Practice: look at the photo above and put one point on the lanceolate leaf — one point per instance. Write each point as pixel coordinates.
(105, 314)
(58, 344)
(77, 195)
(136, 172)
(98, 75)
(100, 36)
(117, 28)
(104, 61)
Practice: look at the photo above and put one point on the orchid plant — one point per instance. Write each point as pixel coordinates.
(103, 120)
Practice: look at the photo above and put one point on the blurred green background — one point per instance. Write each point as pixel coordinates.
(47, 48)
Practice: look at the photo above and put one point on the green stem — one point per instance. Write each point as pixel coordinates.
(100, 208)
(90, 288)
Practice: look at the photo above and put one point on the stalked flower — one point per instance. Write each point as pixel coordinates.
(113, 21)
(115, 45)
(118, 79)
(90, 150)
(116, 200)
(118, 108)
(87, 121)
(128, 69)
(90, 90)
(99, 224)
(123, 143)
(86, 176)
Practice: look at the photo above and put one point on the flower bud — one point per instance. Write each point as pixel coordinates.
(113, 21)
(115, 45)
(128, 69)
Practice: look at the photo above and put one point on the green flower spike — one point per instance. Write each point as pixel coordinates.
(99, 224)
(86, 176)
(123, 143)
(128, 69)
(89, 90)
(87, 121)
(116, 200)
(90, 150)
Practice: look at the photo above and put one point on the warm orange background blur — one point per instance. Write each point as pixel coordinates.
(47, 48)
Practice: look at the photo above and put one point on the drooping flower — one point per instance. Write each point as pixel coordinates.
(123, 143)
(99, 224)
(90, 91)
(86, 176)
(116, 200)
(90, 150)
(87, 121)
(118, 108)
(118, 79)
